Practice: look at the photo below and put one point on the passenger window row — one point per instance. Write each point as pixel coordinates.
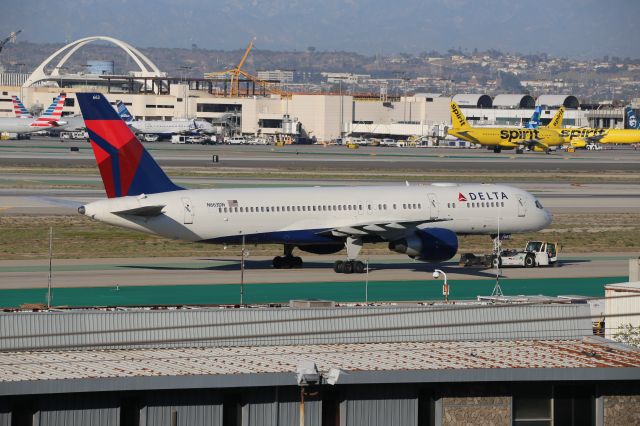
(324, 208)
(486, 204)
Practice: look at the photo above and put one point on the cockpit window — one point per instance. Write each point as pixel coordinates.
(538, 204)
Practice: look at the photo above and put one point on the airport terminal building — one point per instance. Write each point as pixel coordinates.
(150, 94)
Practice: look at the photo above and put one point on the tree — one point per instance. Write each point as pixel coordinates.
(628, 334)
(509, 83)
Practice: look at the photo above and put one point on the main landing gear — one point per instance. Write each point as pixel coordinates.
(287, 261)
(351, 265)
(348, 267)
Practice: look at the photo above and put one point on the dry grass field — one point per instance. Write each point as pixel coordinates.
(26, 237)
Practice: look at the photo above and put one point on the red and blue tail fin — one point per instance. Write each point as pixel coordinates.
(19, 108)
(125, 166)
(52, 115)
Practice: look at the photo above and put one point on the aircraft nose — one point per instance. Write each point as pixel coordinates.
(82, 210)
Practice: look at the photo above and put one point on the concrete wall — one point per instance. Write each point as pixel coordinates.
(473, 404)
(622, 307)
(621, 410)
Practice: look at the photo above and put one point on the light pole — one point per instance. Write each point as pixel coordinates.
(244, 254)
(60, 74)
(86, 71)
(445, 286)
(20, 72)
(184, 70)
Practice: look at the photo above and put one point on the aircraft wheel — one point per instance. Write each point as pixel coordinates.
(497, 149)
(519, 151)
(296, 262)
(358, 267)
(277, 262)
(529, 261)
(348, 267)
(338, 267)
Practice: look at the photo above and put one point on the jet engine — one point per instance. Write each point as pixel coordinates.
(429, 244)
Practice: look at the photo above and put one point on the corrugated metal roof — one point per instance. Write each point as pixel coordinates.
(121, 363)
(282, 326)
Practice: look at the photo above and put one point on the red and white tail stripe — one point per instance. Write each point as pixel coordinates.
(52, 115)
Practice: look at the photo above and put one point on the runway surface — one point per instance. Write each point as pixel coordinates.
(170, 281)
(558, 197)
(53, 153)
(217, 271)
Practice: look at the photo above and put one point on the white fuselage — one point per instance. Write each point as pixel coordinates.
(296, 215)
(22, 125)
(161, 127)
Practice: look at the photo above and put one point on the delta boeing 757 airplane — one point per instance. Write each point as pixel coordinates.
(422, 222)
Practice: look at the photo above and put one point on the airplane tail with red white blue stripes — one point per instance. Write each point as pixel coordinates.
(51, 117)
(125, 166)
(19, 108)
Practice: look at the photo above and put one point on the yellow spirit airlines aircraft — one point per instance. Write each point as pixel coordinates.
(540, 139)
(580, 137)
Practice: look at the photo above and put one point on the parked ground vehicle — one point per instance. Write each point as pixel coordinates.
(236, 140)
(535, 253)
(74, 135)
(594, 147)
(357, 141)
(387, 142)
(187, 139)
(258, 140)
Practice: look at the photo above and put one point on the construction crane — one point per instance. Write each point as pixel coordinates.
(237, 71)
(11, 38)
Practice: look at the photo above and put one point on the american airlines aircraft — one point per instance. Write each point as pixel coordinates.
(19, 109)
(50, 118)
(422, 222)
(164, 128)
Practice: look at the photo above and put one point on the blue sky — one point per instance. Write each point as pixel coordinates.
(574, 28)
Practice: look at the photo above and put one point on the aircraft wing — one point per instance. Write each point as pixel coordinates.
(593, 139)
(381, 229)
(535, 142)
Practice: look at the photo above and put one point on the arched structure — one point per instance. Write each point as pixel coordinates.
(551, 101)
(473, 100)
(514, 101)
(147, 68)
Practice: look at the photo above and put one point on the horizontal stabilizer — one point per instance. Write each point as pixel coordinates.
(145, 211)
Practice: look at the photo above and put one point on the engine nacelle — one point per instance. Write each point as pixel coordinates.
(429, 245)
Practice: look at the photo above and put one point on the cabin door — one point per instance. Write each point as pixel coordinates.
(434, 206)
(522, 206)
(188, 211)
